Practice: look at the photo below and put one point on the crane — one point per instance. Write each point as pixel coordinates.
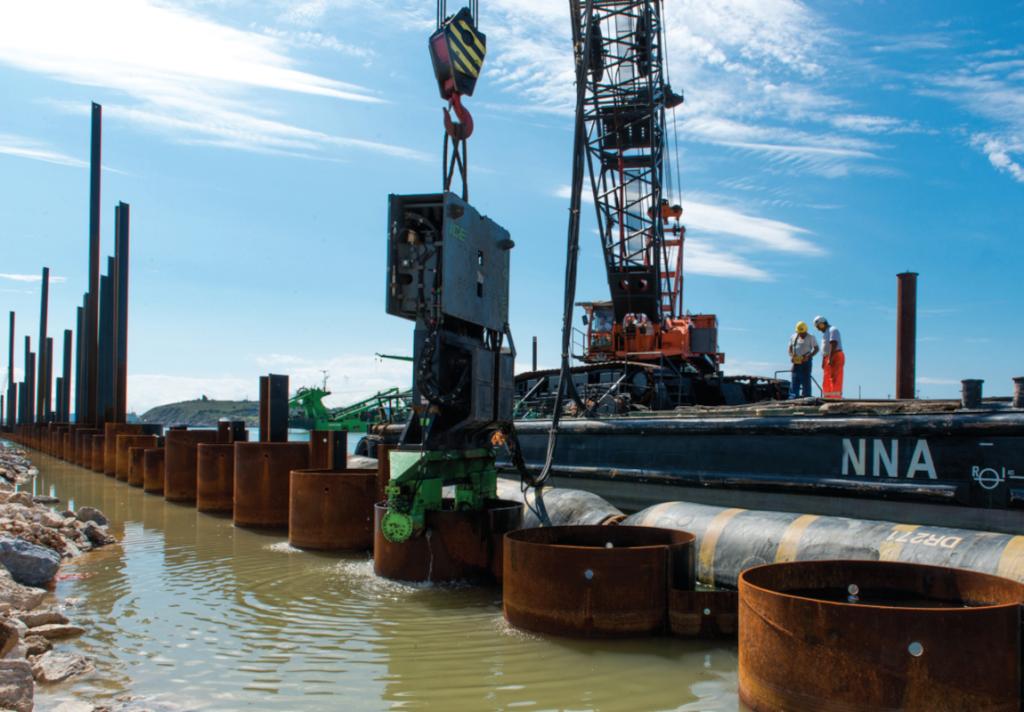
(625, 96)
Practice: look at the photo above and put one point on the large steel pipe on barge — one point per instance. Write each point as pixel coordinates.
(180, 462)
(860, 636)
(594, 580)
(332, 510)
(261, 481)
(464, 545)
(730, 540)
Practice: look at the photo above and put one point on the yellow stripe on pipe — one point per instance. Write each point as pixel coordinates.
(708, 543)
(1011, 561)
(791, 538)
(889, 550)
(476, 40)
(654, 514)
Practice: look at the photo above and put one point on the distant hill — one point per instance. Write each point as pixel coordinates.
(203, 412)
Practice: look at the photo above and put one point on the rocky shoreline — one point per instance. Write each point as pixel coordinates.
(34, 540)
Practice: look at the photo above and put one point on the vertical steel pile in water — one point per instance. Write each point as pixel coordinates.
(860, 635)
(90, 363)
(41, 387)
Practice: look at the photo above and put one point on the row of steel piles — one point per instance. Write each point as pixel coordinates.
(100, 356)
(812, 635)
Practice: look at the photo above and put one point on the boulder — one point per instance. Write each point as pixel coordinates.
(16, 685)
(45, 499)
(34, 619)
(16, 595)
(36, 645)
(56, 631)
(28, 563)
(22, 498)
(56, 667)
(97, 535)
(10, 635)
(91, 514)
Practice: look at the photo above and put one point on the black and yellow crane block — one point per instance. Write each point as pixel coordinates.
(457, 51)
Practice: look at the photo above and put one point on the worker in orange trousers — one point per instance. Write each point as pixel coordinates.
(833, 360)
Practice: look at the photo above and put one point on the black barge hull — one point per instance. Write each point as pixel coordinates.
(953, 469)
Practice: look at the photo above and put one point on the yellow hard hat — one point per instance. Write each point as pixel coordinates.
(801, 327)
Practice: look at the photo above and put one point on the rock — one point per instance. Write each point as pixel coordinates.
(56, 631)
(75, 706)
(55, 667)
(45, 499)
(91, 514)
(22, 498)
(16, 685)
(36, 645)
(18, 596)
(51, 520)
(18, 652)
(34, 619)
(29, 564)
(10, 635)
(97, 535)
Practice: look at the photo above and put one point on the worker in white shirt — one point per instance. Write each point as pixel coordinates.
(832, 359)
(802, 347)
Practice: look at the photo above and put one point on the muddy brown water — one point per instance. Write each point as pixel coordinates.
(192, 613)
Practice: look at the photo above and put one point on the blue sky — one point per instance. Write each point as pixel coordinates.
(823, 148)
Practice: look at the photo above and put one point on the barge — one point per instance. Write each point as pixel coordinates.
(919, 462)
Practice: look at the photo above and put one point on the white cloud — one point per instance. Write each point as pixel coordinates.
(31, 278)
(195, 79)
(22, 147)
(743, 235)
(352, 377)
(992, 91)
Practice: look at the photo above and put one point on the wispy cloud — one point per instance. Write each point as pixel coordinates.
(23, 147)
(31, 278)
(721, 240)
(191, 77)
(994, 92)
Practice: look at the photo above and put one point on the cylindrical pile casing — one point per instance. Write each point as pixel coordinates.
(137, 465)
(261, 481)
(110, 432)
(153, 471)
(455, 545)
(98, 457)
(863, 636)
(180, 463)
(595, 580)
(215, 477)
(125, 441)
(332, 509)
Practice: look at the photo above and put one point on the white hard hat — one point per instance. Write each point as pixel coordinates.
(820, 320)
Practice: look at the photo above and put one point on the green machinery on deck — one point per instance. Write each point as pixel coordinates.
(388, 406)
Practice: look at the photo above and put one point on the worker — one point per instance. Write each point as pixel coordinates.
(802, 348)
(832, 358)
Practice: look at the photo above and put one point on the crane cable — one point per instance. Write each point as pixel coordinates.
(566, 386)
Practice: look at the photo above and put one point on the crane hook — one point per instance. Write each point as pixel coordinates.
(463, 128)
